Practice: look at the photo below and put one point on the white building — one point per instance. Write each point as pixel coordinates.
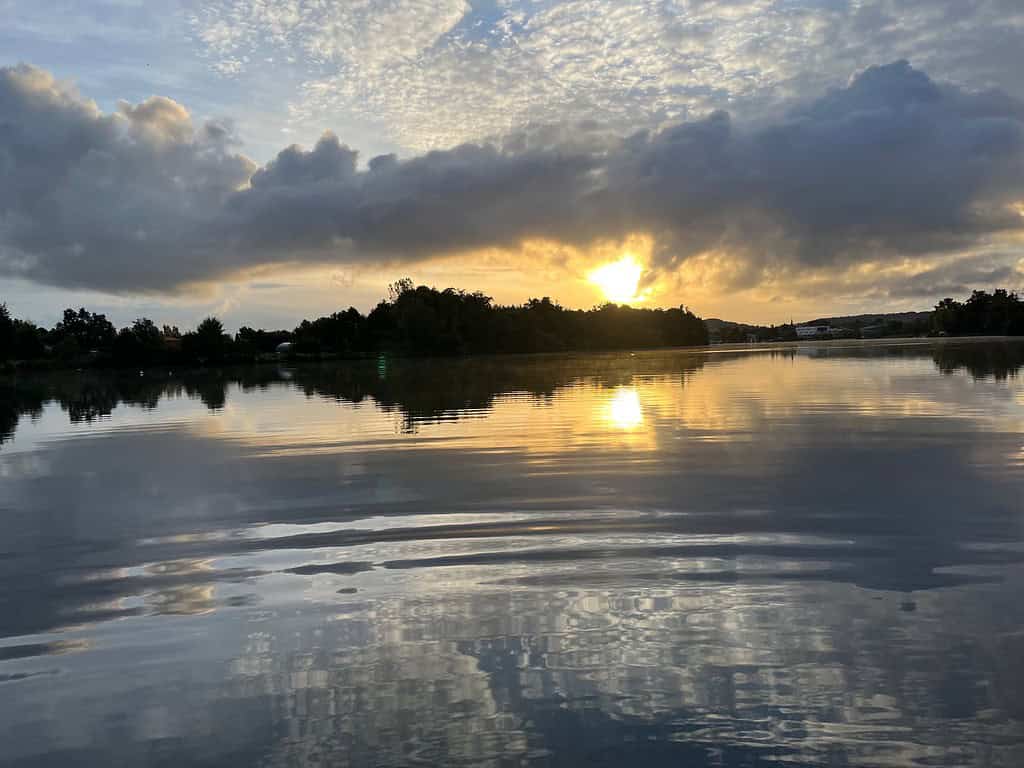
(813, 331)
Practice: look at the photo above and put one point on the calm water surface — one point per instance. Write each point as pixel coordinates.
(808, 555)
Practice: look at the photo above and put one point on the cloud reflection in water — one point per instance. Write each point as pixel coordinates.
(719, 559)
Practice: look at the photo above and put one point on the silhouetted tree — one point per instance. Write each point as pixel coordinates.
(6, 334)
(250, 342)
(207, 343)
(341, 333)
(82, 333)
(999, 313)
(28, 340)
(139, 344)
(397, 288)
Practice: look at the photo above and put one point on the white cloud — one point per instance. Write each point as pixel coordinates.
(432, 74)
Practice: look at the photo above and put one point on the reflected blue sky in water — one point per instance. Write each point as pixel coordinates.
(807, 555)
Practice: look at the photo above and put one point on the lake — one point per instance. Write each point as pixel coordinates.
(799, 554)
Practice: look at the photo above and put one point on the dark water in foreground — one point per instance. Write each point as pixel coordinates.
(809, 556)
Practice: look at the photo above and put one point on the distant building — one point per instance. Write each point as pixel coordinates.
(284, 348)
(813, 331)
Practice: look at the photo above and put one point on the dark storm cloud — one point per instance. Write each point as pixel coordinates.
(957, 278)
(466, 197)
(111, 201)
(892, 165)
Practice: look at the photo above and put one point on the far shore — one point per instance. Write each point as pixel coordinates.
(50, 366)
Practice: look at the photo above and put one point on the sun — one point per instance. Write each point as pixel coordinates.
(619, 280)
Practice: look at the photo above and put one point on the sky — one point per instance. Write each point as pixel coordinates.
(756, 160)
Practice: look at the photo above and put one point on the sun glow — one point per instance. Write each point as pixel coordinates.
(623, 409)
(619, 280)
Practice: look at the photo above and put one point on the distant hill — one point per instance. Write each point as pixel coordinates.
(716, 324)
(849, 321)
(727, 331)
(872, 325)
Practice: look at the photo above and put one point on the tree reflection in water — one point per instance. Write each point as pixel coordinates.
(806, 555)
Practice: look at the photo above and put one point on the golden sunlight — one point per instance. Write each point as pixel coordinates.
(619, 280)
(624, 410)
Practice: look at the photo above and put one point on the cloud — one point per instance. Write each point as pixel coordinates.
(894, 165)
(110, 201)
(434, 74)
(959, 277)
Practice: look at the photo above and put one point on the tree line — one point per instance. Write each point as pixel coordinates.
(423, 321)
(412, 321)
(1000, 313)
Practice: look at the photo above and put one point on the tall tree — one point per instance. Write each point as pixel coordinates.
(6, 334)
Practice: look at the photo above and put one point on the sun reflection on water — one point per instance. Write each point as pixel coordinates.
(630, 540)
(624, 410)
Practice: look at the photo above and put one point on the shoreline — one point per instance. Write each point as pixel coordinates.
(170, 370)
